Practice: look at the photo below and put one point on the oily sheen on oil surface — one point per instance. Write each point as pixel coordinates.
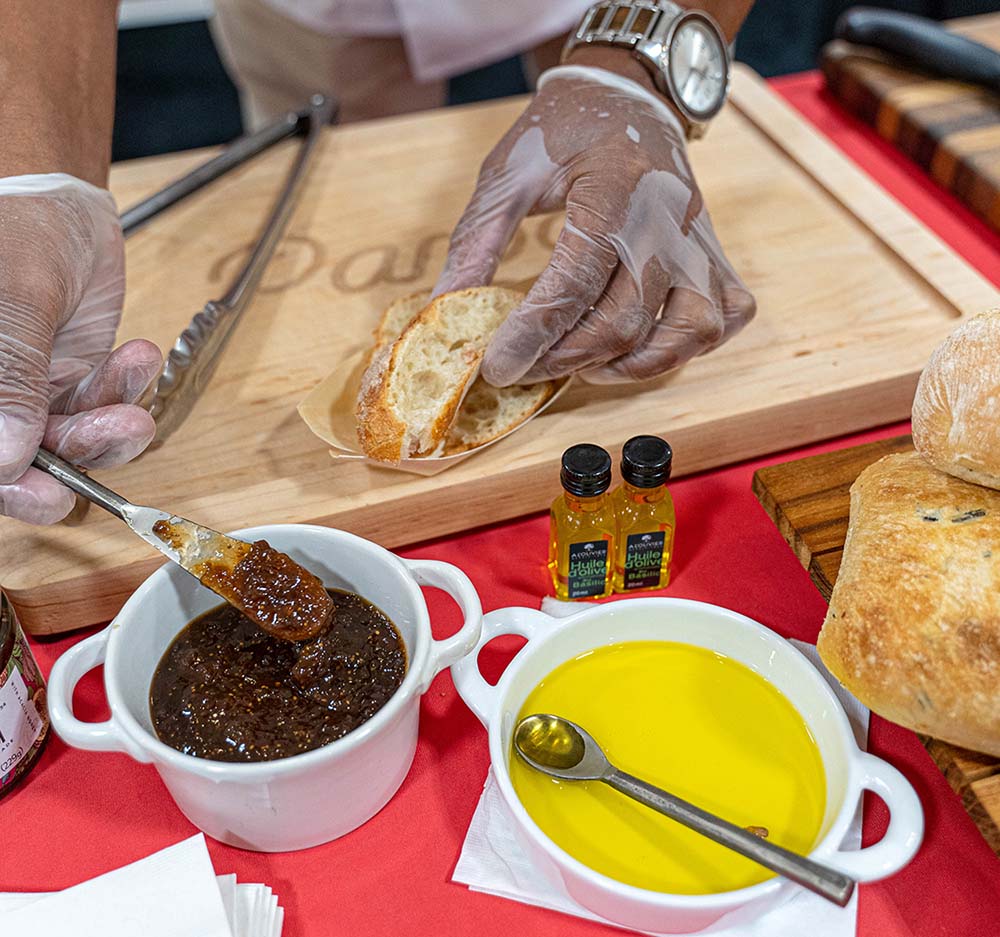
(697, 723)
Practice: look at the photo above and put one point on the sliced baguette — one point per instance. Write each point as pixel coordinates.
(412, 389)
(488, 412)
(397, 316)
(423, 365)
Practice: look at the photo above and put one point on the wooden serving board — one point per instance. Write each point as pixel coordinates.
(853, 295)
(809, 500)
(950, 128)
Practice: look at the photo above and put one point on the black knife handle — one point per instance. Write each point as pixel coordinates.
(923, 42)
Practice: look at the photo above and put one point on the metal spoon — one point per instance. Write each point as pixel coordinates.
(560, 748)
(293, 605)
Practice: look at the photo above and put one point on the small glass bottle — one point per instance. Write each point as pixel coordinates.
(582, 526)
(644, 512)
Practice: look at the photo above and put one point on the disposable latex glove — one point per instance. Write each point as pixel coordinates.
(637, 283)
(62, 280)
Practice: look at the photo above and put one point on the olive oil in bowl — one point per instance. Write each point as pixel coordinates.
(697, 723)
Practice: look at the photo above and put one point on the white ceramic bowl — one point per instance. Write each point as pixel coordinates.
(849, 771)
(289, 803)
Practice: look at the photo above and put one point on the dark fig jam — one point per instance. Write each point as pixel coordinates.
(227, 691)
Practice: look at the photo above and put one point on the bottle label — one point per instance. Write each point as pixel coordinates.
(588, 568)
(20, 724)
(643, 558)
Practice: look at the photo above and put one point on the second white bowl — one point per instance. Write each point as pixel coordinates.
(849, 771)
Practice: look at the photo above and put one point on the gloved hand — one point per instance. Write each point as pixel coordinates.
(62, 280)
(637, 238)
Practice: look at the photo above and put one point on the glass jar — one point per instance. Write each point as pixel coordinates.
(24, 717)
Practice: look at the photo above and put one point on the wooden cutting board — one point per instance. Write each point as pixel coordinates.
(950, 128)
(853, 294)
(809, 500)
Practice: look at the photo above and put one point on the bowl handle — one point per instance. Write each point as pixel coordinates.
(474, 690)
(66, 674)
(452, 580)
(906, 824)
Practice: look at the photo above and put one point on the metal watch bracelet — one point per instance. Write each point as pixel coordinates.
(646, 28)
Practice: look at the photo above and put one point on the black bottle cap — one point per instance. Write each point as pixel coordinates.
(586, 470)
(646, 461)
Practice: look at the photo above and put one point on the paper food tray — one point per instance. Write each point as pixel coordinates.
(329, 411)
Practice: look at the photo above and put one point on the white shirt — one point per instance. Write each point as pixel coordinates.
(443, 37)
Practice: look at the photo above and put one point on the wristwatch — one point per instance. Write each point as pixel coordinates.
(683, 49)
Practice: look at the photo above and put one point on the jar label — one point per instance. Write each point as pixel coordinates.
(20, 724)
(643, 558)
(588, 568)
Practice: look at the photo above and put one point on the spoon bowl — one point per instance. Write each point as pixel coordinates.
(560, 748)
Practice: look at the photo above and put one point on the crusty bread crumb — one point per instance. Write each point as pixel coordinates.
(420, 393)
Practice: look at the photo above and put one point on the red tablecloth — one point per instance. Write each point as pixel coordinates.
(81, 814)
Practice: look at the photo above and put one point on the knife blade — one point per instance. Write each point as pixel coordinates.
(922, 42)
(280, 596)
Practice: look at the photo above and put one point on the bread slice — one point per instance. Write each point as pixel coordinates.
(956, 410)
(423, 366)
(397, 316)
(488, 412)
(913, 628)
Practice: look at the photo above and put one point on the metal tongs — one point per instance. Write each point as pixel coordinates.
(196, 352)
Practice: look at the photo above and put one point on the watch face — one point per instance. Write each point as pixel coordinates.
(698, 66)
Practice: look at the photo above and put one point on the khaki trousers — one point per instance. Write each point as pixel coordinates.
(276, 64)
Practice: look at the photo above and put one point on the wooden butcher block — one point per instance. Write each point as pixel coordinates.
(950, 128)
(809, 501)
(853, 294)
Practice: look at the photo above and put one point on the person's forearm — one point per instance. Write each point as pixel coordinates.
(57, 87)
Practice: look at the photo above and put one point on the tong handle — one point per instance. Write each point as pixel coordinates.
(195, 353)
(235, 154)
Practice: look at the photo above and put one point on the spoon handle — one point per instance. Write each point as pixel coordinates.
(831, 884)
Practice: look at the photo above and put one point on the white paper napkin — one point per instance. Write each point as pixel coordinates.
(172, 893)
(493, 862)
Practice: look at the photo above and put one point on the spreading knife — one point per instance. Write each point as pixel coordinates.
(272, 590)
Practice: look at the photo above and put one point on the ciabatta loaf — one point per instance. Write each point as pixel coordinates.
(421, 394)
(956, 410)
(913, 628)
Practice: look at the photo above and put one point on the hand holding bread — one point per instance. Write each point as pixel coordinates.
(638, 282)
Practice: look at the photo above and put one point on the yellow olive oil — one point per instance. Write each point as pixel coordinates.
(692, 721)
